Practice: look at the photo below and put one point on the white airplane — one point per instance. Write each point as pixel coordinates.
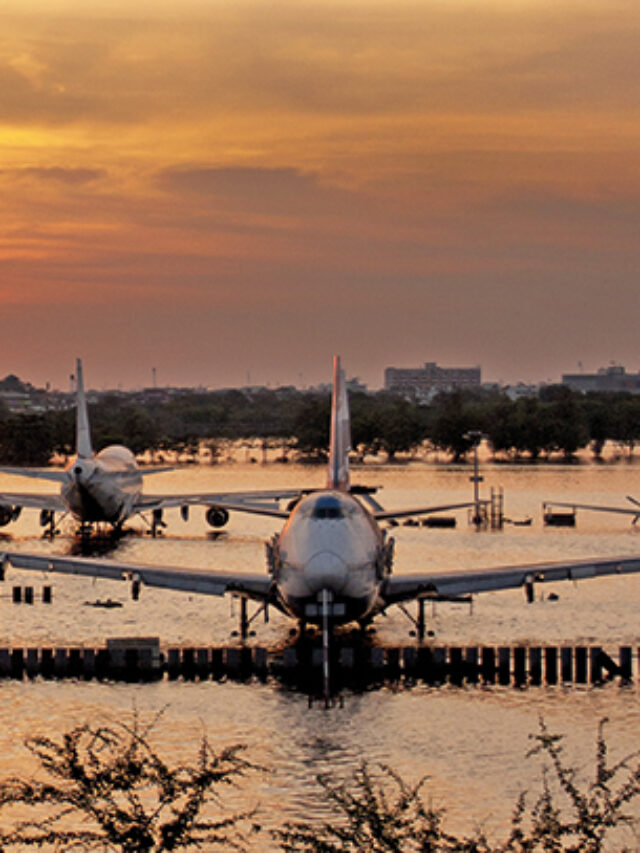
(332, 563)
(107, 487)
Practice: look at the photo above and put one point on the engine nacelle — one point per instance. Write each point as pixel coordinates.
(217, 516)
(6, 515)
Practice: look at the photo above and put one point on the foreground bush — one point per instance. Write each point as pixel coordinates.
(106, 788)
(381, 813)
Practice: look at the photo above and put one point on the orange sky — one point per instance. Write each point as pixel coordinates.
(233, 188)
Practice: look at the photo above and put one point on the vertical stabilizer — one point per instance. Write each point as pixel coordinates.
(340, 431)
(83, 436)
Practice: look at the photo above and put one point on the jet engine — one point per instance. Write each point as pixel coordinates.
(217, 516)
(6, 515)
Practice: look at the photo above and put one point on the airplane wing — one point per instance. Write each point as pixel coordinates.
(30, 500)
(623, 510)
(36, 473)
(259, 502)
(399, 588)
(206, 582)
(381, 514)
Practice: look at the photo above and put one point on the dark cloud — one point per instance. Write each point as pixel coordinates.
(278, 191)
(57, 175)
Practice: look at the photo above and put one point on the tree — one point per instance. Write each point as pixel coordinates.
(452, 422)
(311, 425)
(26, 440)
(398, 426)
(107, 786)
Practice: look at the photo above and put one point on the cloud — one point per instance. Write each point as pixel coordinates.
(56, 175)
(276, 191)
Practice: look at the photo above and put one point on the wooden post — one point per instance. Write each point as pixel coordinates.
(74, 663)
(232, 661)
(566, 663)
(535, 665)
(376, 658)
(504, 665)
(89, 663)
(471, 664)
(60, 663)
(32, 663)
(626, 663)
(488, 665)
(551, 665)
(581, 665)
(203, 663)
(173, 663)
(409, 658)
(260, 662)
(46, 663)
(520, 665)
(17, 664)
(595, 665)
(439, 663)
(455, 666)
(188, 664)
(393, 663)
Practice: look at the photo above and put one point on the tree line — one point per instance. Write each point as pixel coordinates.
(558, 422)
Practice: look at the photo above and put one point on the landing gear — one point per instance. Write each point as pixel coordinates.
(246, 620)
(157, 524)
(419, 621)
(48, 521)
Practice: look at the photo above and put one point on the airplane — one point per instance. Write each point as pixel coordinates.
(332, 563)
(107, 487)
(547, 508)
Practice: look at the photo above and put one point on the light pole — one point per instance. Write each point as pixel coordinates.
(476, 437)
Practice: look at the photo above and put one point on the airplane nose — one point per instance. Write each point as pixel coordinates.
(325, 570)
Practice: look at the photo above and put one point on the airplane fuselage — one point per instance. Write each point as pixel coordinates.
(103, 487)
(330, 542)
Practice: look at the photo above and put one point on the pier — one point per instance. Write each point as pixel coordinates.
(356, 666)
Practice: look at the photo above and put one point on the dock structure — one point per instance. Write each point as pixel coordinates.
(353, 666)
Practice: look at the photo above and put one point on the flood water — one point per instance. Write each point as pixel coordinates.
(470, 742)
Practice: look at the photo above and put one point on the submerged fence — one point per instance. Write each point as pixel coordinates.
(142, 659)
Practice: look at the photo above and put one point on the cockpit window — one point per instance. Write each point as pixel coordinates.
(328, 507)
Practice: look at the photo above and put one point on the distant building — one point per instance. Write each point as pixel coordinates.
(423, 382)
(614, 378)
(521, 391)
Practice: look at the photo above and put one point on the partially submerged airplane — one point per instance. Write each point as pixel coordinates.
(332, 563)
(548, 507)
(107, 487)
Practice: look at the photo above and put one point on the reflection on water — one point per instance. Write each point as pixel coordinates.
(470, 742)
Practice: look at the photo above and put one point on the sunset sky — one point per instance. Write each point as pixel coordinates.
(233, 190)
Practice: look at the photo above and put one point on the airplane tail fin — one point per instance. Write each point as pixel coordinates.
(83, 435)
(340, 431)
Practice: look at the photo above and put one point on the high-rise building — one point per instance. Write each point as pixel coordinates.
(612, 378)
(424, 382)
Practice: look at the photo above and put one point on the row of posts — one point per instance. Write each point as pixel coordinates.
(504, 665)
